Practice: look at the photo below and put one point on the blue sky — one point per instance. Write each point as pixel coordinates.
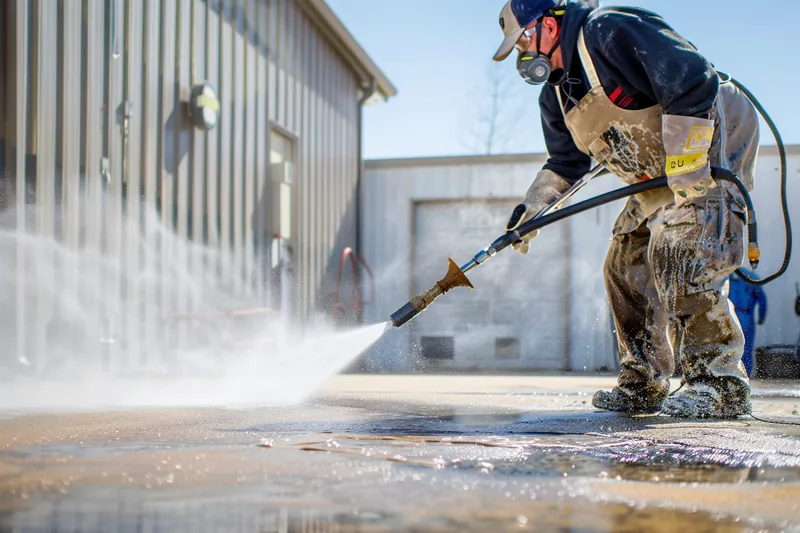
(439, 58)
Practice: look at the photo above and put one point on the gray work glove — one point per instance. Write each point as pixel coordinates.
(687, 141)
(545, 189)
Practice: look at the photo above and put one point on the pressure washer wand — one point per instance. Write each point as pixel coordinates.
(456, 276)
(484, 255)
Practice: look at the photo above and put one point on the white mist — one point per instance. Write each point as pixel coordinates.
(103, 308)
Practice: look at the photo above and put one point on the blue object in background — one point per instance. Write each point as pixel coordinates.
(745, 299)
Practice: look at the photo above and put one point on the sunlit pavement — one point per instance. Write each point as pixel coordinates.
(406, 453)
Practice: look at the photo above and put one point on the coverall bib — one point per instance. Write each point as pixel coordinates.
(667, 266)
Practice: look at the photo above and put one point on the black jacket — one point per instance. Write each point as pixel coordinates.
(640, 60)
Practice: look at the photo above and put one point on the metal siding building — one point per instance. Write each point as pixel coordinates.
(99, 155)
(417, 212)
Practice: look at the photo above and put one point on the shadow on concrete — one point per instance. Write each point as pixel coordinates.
(441, 421)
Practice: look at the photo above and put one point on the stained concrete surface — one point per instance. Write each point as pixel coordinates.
(405, 453)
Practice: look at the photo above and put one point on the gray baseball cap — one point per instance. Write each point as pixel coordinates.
(511, 30)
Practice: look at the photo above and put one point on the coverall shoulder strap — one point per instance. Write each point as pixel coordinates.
(586, 60)
(560, 101)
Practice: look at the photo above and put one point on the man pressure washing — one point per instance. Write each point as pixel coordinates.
(623, 87)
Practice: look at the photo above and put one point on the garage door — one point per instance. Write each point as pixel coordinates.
(516, 316)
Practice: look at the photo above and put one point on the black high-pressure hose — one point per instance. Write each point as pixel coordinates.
(718, 174)
(536, 223)
(787, 255)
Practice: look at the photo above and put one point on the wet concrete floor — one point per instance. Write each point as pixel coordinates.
(405, 453)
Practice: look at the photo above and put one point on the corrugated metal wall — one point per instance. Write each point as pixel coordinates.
(98, 156)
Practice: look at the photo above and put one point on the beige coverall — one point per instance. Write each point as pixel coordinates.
(667, 265)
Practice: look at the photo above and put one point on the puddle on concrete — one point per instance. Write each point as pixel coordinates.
(573, 456)
(540, 464)
(536, 457)
(550, 457)
(374, 483)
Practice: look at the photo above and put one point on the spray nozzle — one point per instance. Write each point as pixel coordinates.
(753, 254)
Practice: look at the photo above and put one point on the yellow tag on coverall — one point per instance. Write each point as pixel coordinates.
(686, 163)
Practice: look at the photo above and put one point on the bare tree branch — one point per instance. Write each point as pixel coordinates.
(498, 106)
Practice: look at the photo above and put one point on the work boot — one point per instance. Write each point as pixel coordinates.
(638, 400)
(701, 400)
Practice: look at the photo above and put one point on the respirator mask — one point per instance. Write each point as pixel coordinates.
(535, 68)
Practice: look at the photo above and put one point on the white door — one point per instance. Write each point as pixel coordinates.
(516, 316)
(281, 222)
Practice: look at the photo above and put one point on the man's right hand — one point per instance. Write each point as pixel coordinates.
(544, 190)
(521, 215)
